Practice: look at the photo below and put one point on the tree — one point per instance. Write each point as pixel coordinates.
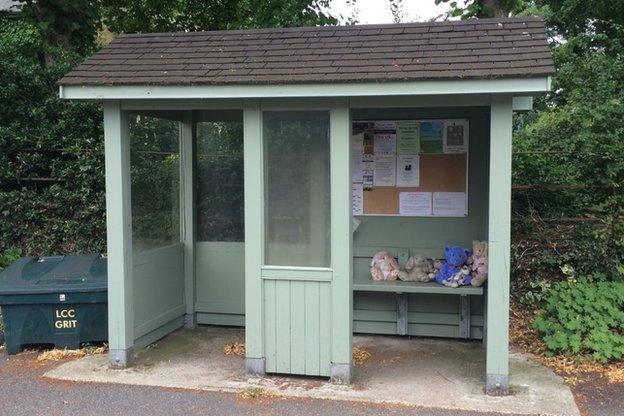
(70, 25)
(483, 8)
(192, 15)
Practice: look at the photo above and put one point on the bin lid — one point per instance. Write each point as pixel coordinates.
(55, 274)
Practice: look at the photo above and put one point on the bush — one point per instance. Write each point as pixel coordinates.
(584, 316)
(9, 256)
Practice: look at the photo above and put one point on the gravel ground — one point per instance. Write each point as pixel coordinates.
(25, 391)
(596, 397)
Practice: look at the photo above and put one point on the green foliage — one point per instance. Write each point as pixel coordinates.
(584, 315)
(51, 163)
(9, 256)
(192, 15)
(66, 24)
(483, 8)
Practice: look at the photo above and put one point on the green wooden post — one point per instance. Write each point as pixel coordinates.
(254, 214)
(341, 242)
(499, 232)
(187, 199)
(119, 236)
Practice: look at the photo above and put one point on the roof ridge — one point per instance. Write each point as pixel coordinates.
(429, 23)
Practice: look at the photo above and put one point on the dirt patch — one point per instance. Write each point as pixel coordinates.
(360, 355)
(58, 354)
(234, 348)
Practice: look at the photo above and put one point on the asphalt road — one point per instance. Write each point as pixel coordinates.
(24, 391)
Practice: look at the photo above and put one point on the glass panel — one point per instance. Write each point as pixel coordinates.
(297, 195)
(220, 209)
(155, 170)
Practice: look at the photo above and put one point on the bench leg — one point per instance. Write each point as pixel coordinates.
(464, 316)
(401, 301)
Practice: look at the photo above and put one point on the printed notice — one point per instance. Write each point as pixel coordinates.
(415, 203)
(408, 137)
(431, 135)
(357, 191)
(456, 136)
(368, 171)
(384, 143)
(385, 170)
(408, 171)
(450, 204)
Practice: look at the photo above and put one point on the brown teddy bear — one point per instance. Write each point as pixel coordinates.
(417, 269)
(479, 262)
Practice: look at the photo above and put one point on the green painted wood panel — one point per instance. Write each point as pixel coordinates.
(497, 346)
(158, 288)
(297, 327)
(220, 278)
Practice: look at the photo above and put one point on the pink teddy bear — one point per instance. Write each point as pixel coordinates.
(384, 266)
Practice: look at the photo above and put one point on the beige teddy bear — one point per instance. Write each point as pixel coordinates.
(479, 262)
(384, 266)
(417, 269)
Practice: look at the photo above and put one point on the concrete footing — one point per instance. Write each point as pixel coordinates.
(190, 320)
(340, 373)
(497, 384)
(255, 366)
(118, 359)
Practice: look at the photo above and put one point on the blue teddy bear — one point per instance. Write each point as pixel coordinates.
(455, 257)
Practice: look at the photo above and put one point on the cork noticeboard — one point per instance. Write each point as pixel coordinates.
(410, 168)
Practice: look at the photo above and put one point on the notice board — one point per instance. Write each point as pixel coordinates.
(410, 167)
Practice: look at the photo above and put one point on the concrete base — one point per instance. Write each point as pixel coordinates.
(497, 384)
(409, 371)
(190, 320)
(340, 373)
(119, 359)
(255, 366)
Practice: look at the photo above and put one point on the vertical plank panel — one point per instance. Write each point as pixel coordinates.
(254, 202)
(312, 327)
(118, 228)
(297, 327)
(341, 234)
(270, 325)
(325, 324)
(282, 311)
(187, 211)
(499, 232)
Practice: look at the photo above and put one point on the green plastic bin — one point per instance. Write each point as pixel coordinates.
(59, 300)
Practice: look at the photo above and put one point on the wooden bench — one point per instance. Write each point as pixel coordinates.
(402, 289)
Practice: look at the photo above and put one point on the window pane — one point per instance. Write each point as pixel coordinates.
(297, 197)
(155, 170)
(220, 209)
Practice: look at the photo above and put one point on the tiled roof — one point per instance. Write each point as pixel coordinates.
(485, 48)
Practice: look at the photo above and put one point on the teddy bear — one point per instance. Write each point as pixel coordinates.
(461, 278)
(455, 258)
(479, 262)
(417, 269)
(384, 266)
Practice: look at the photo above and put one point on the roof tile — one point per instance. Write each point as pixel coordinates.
(486, 48)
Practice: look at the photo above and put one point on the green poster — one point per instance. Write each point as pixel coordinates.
(408, 137)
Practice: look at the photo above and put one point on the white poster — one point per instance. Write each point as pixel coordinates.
(385, 170)
(357, 191)
(368, 170)
(385, 143)
(357, 168)
(455, 136)
(415, 203)
(408, 171)
(450, 204)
